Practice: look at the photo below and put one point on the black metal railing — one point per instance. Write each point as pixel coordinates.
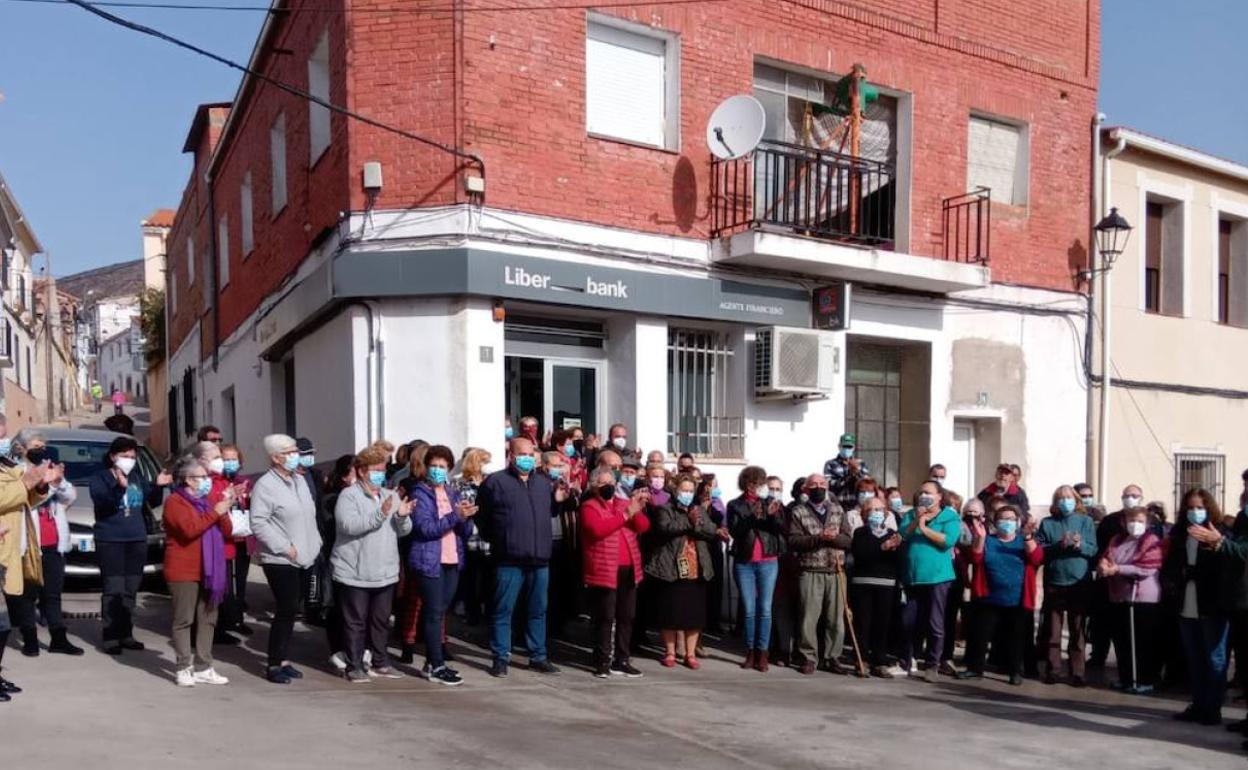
(966, 226)
(805, 190)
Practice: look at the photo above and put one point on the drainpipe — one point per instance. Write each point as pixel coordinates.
(374, 394)
(1106, 378)
(216, 277)
(1090, 438)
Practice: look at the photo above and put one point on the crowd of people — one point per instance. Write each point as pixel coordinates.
(391, 539)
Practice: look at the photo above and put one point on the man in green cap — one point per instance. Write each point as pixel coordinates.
(844, 472)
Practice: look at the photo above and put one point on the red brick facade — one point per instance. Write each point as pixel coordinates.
(510, 86)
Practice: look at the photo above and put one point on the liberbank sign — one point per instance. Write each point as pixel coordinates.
(653, 291)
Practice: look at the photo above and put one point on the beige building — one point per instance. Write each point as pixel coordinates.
(1178, 321)
(155, 232)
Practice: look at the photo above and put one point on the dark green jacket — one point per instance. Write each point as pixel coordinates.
(669, 527)
(1235, 548)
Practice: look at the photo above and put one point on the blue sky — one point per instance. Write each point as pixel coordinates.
(93, 116)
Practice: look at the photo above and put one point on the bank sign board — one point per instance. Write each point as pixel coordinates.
(648, 289)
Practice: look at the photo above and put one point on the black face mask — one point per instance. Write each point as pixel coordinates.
(607, 491)
(817, 495)
(579, 443)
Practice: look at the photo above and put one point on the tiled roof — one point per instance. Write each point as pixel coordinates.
(160, 218)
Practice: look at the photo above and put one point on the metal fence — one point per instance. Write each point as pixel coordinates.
(699, 418)
(967, 226)
(1199, 470)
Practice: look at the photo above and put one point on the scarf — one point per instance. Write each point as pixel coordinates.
(1148, 551)
(212, 550)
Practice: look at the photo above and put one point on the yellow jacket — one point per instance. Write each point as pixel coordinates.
(14, 501)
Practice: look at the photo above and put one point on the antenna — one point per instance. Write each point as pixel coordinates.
(736, 127)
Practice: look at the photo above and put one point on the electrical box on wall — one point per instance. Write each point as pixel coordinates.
(796, 363)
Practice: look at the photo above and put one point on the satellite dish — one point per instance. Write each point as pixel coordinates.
(736, 127)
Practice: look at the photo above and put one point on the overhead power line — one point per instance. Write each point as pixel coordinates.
(386, 10)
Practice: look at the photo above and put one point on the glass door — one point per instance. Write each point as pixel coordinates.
(573, 396)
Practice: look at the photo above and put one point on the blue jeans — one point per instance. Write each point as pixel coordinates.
(509, 581)
(756, 580)
(1204, 641)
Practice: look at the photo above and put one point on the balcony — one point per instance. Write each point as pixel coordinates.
(822, 213)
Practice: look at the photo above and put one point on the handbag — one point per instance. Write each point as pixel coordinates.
(32, 558)
(240, 524)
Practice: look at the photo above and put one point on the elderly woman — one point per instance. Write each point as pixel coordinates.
(18, 489)
(680, 562)
(1130, 566)
(196, 531)
(1068, 536)
(474, 578)
(52, 536)
(873, 589)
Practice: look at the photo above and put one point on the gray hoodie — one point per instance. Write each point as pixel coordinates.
(283, 514)
(366, 550)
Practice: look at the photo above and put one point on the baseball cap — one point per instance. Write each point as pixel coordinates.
(848, 439)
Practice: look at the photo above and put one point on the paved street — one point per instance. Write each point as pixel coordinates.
(126, 712)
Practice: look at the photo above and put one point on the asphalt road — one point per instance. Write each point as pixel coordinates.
(101, 712)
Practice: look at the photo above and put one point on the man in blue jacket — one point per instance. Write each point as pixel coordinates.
(516, 509)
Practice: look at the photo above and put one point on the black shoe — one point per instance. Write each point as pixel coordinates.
(1077, 682)
(112, 649)
(626, 669)
(409, 654)
(132, 644)
(499, 669)
(446, 676)
(5, 697)
(836, 667)
(602, 671)
(543, 667)
(1237, 727)
(222, 638)
(1051, 678)
(61, 644)
(1016, 679)
(8, 688)
(277, 676)
(970, 675)
(242, 629)
(292, 672)
(1189, 714)
(30, 644)
(1210, 720)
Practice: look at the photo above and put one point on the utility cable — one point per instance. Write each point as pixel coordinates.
(387, 10)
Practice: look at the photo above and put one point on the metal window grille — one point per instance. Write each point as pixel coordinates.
(1203, 471)
(702, 420)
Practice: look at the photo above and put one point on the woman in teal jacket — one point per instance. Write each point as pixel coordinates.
(930, 534)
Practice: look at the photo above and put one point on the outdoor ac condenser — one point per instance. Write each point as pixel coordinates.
(795, 363)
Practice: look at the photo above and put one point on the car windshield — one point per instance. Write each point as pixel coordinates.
(83, 459)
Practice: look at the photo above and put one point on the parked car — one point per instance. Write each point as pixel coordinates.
(83, 452)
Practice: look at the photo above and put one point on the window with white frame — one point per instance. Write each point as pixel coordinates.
(704, 417)
(318, 86)
(247, 232)
(223, 250)
(1232, 287)
(632, 84)
(997, 159)
(1163, 255)
(277, 162)
(1199, 470)
(190, 260)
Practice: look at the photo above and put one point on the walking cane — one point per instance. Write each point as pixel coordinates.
(849, 621)
(1131, 625)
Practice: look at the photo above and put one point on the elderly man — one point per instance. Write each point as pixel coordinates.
(1006, 485)
(517, 506)
(283, 519)
(819, 535)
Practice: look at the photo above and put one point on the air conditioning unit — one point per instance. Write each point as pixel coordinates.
(796, 363)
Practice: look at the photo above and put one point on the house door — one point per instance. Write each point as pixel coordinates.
(960, 468)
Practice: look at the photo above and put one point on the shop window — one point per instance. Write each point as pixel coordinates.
(704, 417)
(632, 84)
(1199, 471)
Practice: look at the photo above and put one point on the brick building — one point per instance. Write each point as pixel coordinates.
(584, 258)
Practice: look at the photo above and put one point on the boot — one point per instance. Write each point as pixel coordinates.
(750, 659)
(760, 661)
(60, 643)
(409, 654)
(30, 643)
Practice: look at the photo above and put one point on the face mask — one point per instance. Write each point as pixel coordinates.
(1088, 502)
(291, 463)
(307, 461)
(628, 482)
(1197, 515)
(1066, 505)
(526, 463)
(231, 467)
(606, 491)
(203, 487)
(762, 492)
(529, 430)
(715, 493)
(896, 504)
(569, 450)
(804, 498)
(656, 483)
(1136, 528)
(619, 442)
(937, 480)
(125, 464)
(1003, 485)
(217, 465)
(863, 497)
(926, 501)
(579, 445)
(436, 475)
(1130, 501)
(685, 499)
(555, 473)
(509, 433)
(817, 495)
(377, 478)
(6, 445)
(1007, 527)
(846, 452)
(876, 519)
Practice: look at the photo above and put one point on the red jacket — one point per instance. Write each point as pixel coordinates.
(602, 526)
(184, 526)
(979, 578)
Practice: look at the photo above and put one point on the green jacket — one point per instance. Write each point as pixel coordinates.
(1235, 546)
(926, 562)
(1065, 566)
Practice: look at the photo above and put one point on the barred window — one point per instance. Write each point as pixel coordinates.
(702, 418)
(1199, 470)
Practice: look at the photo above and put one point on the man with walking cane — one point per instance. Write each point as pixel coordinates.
(818, 535)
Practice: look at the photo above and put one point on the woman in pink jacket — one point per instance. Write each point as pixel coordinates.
(1130, 568)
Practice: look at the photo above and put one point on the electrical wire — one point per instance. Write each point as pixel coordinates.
(145, 30)
(387, 10)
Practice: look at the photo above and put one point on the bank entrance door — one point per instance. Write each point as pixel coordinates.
(563, 393)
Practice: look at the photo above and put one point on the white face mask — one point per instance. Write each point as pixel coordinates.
(619, 442)
(216, 466)
(762, 492)
(1130, 501)
(1136, 528)
(125, 464)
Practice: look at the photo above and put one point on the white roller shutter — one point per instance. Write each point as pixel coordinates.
(625, 85)
(993, 159)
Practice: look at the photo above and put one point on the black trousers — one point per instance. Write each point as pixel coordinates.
(1147, 618)
(473, 589)
(1007, 624)
(436, 594)
(365, 622)
(1101, 625)
(715, 590)
(121, 573)
(47, 597)
(873, 617)
(21, 611)
(287, 584)
(953, 607)
(613, 607)
(1239, 647)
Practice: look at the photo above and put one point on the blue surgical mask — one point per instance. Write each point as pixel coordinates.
(307, 461)
(762, 492)
(436, 475)
(555, 472)
(6, 446)
(876, 519)
(203, 487)
(627, 482)
(685, 498)
(377, 478)
(526, 463)
(1088, 502)
(509, 432)
(716, 493)
(1066, 505)
(569, 450)
(927, 501)
(846, 452)
(1197, 515)
(896, 504)
(231, 467)
(1007, 527)
(863, 497)
(291, 463)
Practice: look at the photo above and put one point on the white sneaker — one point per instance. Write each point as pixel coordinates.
(368, 657)
(338, 661)
(210, 676)
(897, 671)
(186, 678)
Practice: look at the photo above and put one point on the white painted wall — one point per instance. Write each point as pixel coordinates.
(325, 387)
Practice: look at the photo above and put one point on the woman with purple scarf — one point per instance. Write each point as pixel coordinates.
(195, 569)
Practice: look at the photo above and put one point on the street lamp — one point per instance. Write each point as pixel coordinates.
(1112, 234)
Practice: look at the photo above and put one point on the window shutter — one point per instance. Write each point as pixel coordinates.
(625, 87)
(992, 159)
